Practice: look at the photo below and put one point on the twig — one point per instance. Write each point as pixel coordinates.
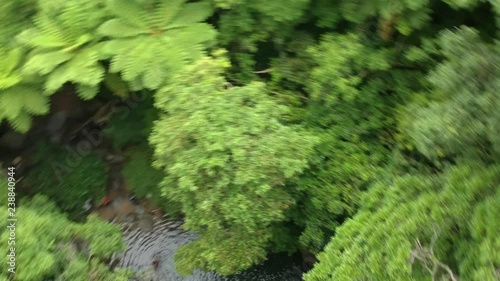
(426, 255)
(94, 118)
(267, 70)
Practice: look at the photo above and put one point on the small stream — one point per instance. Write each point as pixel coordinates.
(162, 242)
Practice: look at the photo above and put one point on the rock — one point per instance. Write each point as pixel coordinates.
(55, 126)
(129, 219)
(17, 160)
(123, 207)
(146, 223)
(115, 180)
(115, 158)
(139, 210)
(87, 205)
(107, 213)
(308, 260)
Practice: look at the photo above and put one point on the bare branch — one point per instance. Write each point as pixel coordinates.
(263, 71)
(427, 258)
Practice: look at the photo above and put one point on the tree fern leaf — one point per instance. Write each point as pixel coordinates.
(117, 28)
(116, 85)
(56, 80)
(49, 27)
(34, 38)
(46, 7)
(9, 81)
(79, 42)
(12, 60)
(192, 13)
(21, 123)
(130, 11)
(104, 52)
(86, 92)
(165, 12)
(176, 57)
(82, 15)
(91, 75)
(193, 35)
(11, 21)
(84, 68)
(111, 48)
(156, 50)
(154, 75)
(84, 58)
(44, 63)
(117, 64)
(136, 84)
(11, 102)
(34, 102)
(139, 55)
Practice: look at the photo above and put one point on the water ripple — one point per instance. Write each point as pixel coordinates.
(162, 242)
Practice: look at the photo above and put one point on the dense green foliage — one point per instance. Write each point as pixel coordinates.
(227, 159)
(67, 177)
(19, 94)
(435, 214)
(45, 244)
(144, 180)
(132, 121)
(366, 132)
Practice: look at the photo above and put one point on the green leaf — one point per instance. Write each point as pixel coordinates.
(192, 13)
(45, 63)
(117, 28)
(86, 92)
(12, 60)
(21, 122)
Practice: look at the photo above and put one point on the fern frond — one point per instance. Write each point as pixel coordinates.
(82, 68)
(8, 74)
(9, 81)
(11, 21)
(11, 102)
(51, 28)
(130, 11)
(45, 63)
(165, 12)
(154, 75)
(11, 60)
(56, 80)
(19, 96)
(193, 35)
(116, 85)
(137, 57)
(117, 28)
(82, 15)
(21, 123)
(34, 38)
(91, 75)
(63, 42)
(49, 6)
(86, 92)
(34, 102)
(155, 39)
(192, 13)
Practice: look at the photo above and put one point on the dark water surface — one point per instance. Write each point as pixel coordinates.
(164, 239)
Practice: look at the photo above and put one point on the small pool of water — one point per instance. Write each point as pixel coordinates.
(164, 239)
